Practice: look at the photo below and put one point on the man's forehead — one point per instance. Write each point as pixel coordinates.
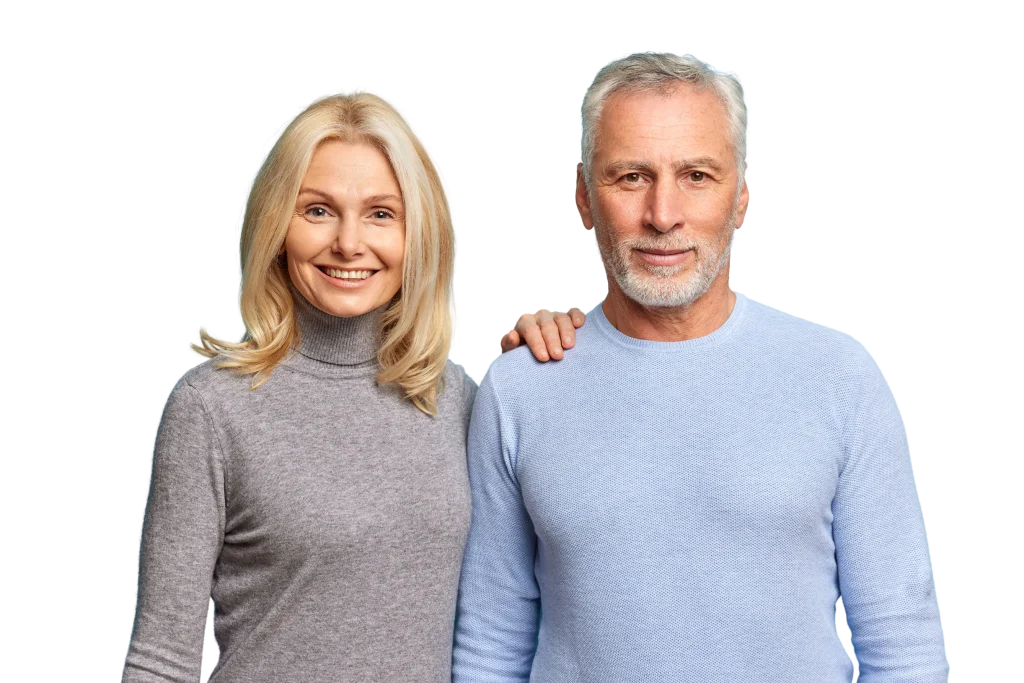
(684, 117)
(683, 104)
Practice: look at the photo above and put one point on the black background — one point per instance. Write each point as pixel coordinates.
(832, 241)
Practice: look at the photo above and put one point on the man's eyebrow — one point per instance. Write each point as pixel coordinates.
(375, 199)
(697, 162)
(618, 167)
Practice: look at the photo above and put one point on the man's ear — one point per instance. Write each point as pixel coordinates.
(583, 198)
(741, 205)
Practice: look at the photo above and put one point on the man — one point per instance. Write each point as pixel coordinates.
(687, 494)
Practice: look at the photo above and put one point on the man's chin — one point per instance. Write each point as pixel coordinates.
(661, 292)
(664, 278)
(661, 273)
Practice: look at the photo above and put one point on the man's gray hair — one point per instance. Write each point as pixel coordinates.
(647, 71)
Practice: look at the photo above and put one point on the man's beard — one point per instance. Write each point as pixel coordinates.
(658, 286)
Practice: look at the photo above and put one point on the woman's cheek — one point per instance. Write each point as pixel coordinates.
(395, 250)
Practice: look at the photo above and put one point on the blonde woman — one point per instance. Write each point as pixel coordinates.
(312, 478)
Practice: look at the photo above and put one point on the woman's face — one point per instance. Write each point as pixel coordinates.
(346, 240)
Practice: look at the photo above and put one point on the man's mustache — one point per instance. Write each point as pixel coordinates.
(666, 243)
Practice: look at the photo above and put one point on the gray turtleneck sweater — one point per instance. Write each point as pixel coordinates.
(324, 514)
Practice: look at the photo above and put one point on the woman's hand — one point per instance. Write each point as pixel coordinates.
(546, 333)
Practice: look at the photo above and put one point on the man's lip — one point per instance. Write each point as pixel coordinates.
(664, 252)
(663, 257)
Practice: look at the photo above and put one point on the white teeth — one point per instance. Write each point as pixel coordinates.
(349, 274)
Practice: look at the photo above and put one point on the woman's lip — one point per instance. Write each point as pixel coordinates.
(347, 283)
(663, 257)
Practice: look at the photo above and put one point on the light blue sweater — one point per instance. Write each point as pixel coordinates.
(691, 511)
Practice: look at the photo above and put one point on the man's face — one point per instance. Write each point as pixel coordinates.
(664, 195)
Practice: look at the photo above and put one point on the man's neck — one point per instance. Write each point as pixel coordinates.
(670, 324)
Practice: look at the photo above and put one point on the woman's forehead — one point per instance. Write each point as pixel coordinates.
(345, 168)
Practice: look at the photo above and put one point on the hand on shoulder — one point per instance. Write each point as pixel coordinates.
(546, 333)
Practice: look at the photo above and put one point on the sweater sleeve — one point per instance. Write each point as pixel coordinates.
(498, 605)
(469, 397)
(885, 575)
(181, 540)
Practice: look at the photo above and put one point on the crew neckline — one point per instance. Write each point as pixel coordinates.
(726, 330)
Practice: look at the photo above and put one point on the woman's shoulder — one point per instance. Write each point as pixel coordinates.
(212, 386)
(207, 377)
(456, 376)
(459, 388)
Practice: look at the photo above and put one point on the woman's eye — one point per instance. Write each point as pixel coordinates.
(697, 176)
(316, 212)
(381, 214)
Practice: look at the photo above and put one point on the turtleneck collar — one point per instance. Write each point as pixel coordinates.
(335, 340)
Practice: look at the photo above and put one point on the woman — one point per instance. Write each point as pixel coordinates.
(312, 477)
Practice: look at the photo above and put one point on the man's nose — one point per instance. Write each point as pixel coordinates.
(666, 206)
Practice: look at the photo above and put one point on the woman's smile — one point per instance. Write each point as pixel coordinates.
(347, 278)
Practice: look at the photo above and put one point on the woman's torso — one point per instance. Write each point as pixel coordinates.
(346, 514)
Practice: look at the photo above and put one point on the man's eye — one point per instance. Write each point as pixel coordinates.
(631, 177)
(697, 176)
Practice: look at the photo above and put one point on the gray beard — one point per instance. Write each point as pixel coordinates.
(659, 286)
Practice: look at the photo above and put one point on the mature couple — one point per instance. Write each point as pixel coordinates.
(683, 497)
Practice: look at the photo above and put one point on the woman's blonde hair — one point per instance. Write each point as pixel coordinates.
(417, 325)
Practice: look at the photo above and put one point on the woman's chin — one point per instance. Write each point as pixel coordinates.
(349, 306)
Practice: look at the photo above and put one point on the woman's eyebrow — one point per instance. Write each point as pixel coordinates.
(384, 198)
(319, 193)
(369, 200)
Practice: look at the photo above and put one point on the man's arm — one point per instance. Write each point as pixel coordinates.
(499, 601)
(885, 575)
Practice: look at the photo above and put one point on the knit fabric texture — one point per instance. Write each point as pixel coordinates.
(325, 515)
(691, 512)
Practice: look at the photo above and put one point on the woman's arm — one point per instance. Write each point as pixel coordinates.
(546, 333)
(181, 540)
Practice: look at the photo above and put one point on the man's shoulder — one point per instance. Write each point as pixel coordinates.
(803, 341)
(519, 367)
